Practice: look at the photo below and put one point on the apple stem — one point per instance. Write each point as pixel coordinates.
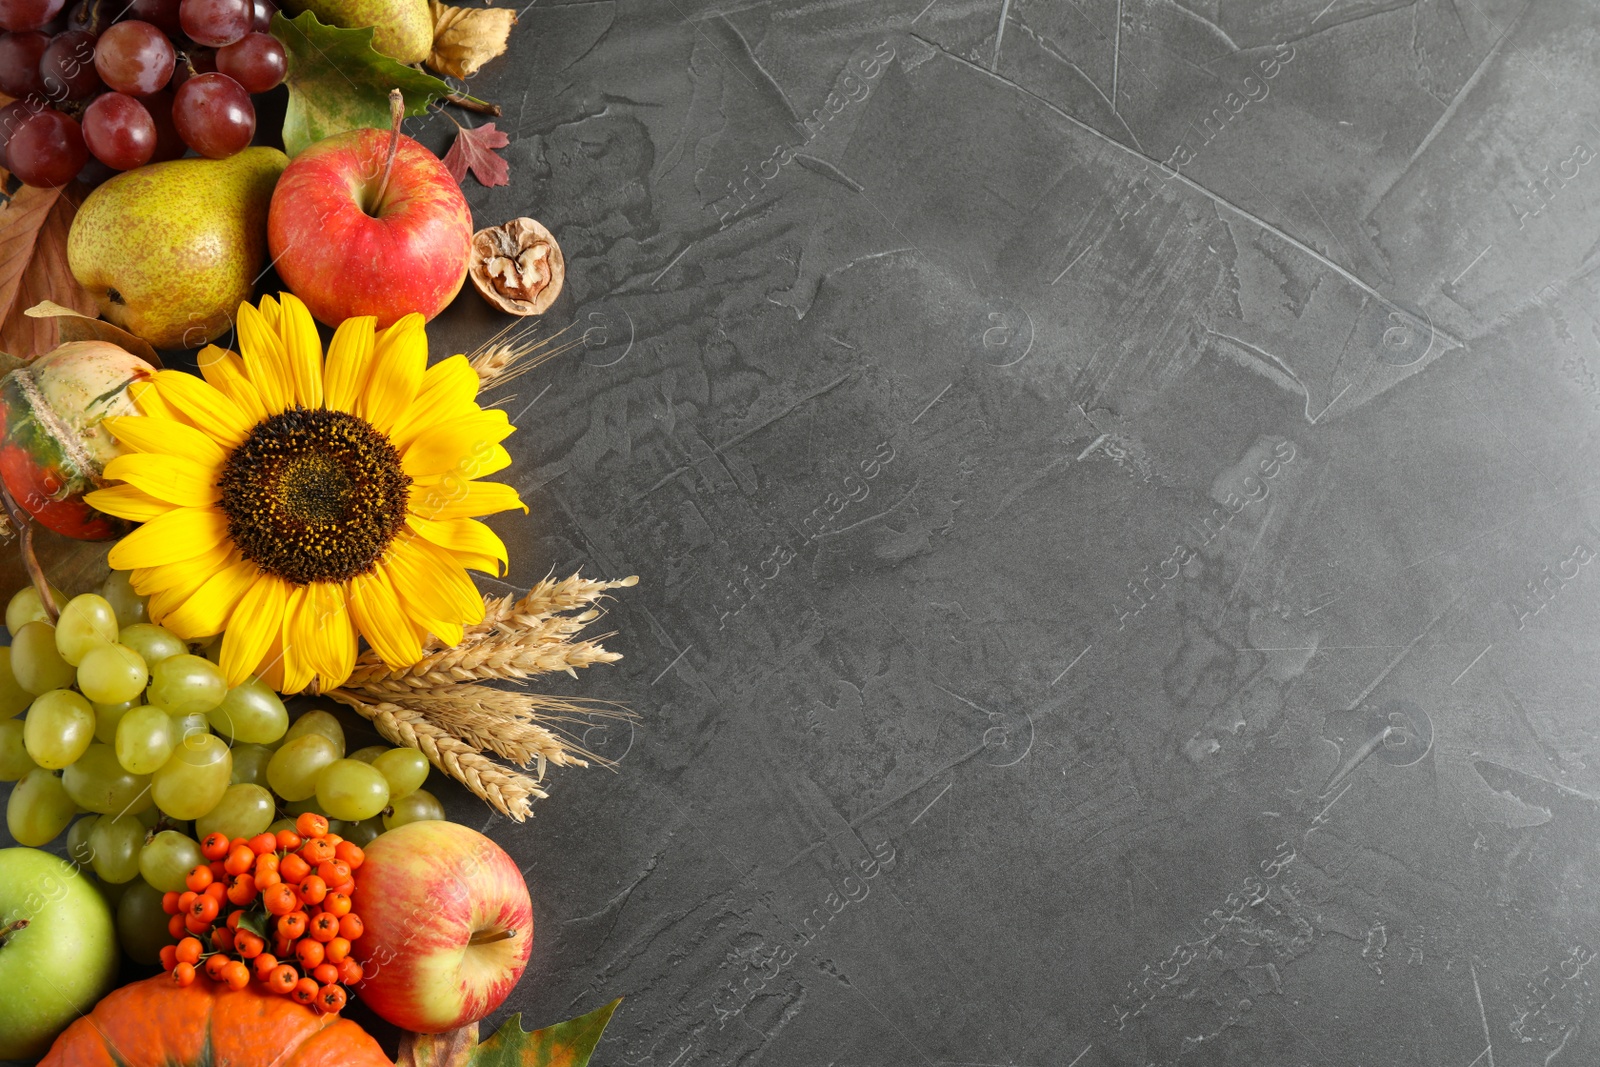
(489, 939)
(397, 114)
(11, 928)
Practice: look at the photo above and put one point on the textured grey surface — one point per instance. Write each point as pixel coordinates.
(1112, 487)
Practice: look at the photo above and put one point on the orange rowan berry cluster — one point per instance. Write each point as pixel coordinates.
(289, 892)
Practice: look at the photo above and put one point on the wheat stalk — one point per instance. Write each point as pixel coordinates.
(506, 791)
(512, 352)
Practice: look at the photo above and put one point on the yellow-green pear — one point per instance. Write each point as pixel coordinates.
(401, 29)
(171, 250)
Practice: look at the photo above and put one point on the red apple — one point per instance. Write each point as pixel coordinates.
(370, 223)
(449, 926)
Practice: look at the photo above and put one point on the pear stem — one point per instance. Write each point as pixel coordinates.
(397, 114)
(11, 928)
(491, 938)
(22, 522)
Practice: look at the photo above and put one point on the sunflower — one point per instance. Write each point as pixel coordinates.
(294, 505)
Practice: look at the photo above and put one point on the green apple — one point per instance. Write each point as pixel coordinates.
(58, 950)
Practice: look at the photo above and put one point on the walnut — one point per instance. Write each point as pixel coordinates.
(517, 267)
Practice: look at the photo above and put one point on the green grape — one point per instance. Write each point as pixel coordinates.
(141, 924)
(128, 606)
(152, 815)
(116, 842)
(107, 717)
(85, 622)
(296, 808)
(110, 674)
(113, 892)
(250, 764)
(153, 643)
(292, 772)
(212, 650)
(39, 809)
(405, 769)
(339, 826)
(59, 726)
(364, 832)
(368, 754)
(351, 790)
(78, 850)
(25, 607)
(14, 759)
(98, 782)
(186, 684)
(317, 722)
(417, 807)
(190, 783)
(14, 699)
(250, 712)
(194, 724)
(145, 739)
(244, 811)
(166, 860)
(283, 824)
(35, 663)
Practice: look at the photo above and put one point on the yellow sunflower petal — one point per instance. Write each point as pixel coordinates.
(264, 358)
(349, 361)
(127, 502)
(226, 371)
(147, 398)
(303, 348)
(469, 541)
(174, 537)
(376, 611)
(452, 499)
(297, 672)
(455, 445)
(271, 668)
(256, 620)
(322, 633)
(169, 585)
(433, 586)
(207, 610)
(399, 359)
(205, 406)
(447, 387)
(172, 478)
(480, 463)
(271, 313)
(166, 437)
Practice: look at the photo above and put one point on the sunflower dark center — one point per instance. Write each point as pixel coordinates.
(314, 495)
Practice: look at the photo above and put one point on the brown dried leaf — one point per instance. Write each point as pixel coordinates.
(33, 268)
(464, 39)
(76, 326)
(474, 150)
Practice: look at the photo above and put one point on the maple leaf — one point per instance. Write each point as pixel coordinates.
(567, 1044)
(474, 151)
(33, 267)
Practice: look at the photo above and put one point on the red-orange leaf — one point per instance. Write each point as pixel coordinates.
(568, 1044)
(474, 151)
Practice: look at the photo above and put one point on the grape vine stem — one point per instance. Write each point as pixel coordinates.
(22, 522)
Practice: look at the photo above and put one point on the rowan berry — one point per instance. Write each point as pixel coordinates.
(214, 847)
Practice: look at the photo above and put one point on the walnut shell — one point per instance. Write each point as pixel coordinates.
(517, 267)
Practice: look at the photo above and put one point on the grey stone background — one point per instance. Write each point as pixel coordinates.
(1111, 482)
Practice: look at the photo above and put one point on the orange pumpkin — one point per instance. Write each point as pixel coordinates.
(155, 1023)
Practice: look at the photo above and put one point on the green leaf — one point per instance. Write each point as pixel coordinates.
(338, 82)
(567, 1044)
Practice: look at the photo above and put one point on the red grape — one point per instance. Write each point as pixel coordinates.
(11, 116)
(214, 114)
(261, 12)
(134, 57)
(163, 14)
(19, 62)
(68, 67)
(169, 143)
(119, 131)
(215, 22)
(256, 61)
(19, 15)
(191, 62)
(91, 15)
(46, 149)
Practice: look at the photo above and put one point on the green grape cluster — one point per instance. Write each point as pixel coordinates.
(107, 715)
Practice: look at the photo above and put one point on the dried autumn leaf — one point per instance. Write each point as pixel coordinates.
(568, 1044)
(474, 150)
(76, 326)
(464, 39)
(33, 267)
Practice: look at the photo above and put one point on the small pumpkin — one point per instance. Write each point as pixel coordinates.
(155, 1023)
(52, 444)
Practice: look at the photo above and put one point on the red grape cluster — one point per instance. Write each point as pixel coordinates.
(130, 82)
